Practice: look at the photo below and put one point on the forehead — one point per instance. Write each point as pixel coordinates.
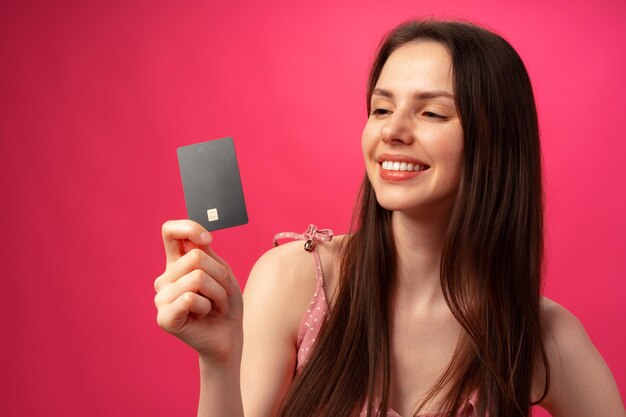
(418, 66)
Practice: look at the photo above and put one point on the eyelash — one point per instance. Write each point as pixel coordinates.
(429, 114)
(380, 112)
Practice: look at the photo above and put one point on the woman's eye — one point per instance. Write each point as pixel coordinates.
(432, 115)
(380, 112)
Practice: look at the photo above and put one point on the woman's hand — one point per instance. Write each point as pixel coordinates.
(198, 298)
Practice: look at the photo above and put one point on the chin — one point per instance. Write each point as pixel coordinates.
(402, 204)
(415, 205)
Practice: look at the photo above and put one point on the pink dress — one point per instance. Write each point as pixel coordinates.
(317, 312)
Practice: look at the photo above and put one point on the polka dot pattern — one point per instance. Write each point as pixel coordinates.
(315, 316)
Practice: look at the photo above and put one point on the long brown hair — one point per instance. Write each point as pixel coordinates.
(491, 267)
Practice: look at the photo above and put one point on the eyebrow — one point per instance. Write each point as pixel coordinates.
(424, 95)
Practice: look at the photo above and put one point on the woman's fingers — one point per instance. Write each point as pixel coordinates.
(176, 232)
(230, 282)
(173, 317)
(195, 259)
(196, 282)
(215, 256)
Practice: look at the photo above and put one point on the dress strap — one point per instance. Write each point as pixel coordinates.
(311, 235)
(317, 311)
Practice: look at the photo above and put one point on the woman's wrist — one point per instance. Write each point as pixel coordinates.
(222, 365)
(220, 389)
(225, 354)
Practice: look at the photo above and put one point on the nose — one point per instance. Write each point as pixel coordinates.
(397, 130)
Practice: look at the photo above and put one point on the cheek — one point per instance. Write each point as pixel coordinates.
(452, 153)
(446, 149)
(368, 146)
(368, 140)
(450, 144)
(455, 168)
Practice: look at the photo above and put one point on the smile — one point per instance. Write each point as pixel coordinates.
(402, 166)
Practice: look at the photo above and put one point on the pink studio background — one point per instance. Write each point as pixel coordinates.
(96, 97)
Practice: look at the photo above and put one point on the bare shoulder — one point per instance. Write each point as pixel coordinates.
(285, 271)
(276, 295)
(562, 330)
(286, 274)
(581, 383)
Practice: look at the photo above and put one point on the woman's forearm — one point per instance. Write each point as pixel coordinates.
(220, 389)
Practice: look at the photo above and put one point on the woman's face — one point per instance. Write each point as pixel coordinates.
(413, 140)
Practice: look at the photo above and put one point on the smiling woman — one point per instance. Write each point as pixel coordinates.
(413, 119)
(432, 303)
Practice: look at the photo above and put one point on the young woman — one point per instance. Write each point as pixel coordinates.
(431, 306)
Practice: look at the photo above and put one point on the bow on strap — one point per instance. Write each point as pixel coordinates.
(311, 235)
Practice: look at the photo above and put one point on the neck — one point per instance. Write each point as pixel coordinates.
(419, 244)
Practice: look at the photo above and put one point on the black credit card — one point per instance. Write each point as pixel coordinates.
(212, 184)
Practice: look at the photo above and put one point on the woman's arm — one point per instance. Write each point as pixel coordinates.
(581, 384)
(220, 393)
(276, 297)
(255, 380)
(254, 383)
(199, 301)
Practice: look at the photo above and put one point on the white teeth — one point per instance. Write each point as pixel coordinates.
(402, 166)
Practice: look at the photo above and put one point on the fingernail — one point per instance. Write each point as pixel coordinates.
(205, 238)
